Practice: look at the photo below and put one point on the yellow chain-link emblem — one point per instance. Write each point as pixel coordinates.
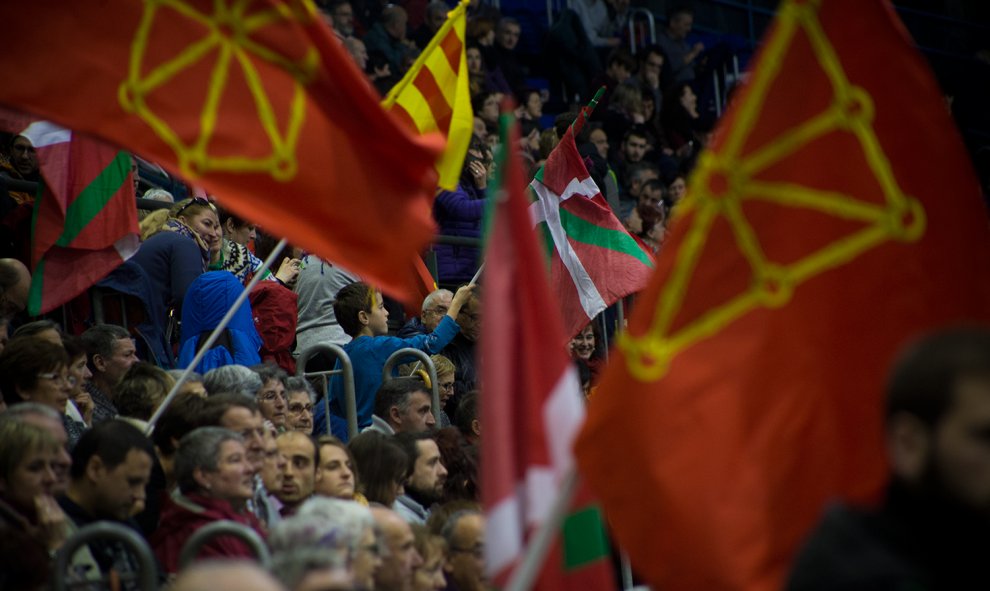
(725, 180)
(230, 40)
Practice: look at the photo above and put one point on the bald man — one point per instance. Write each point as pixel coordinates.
(15, 284)
(399, 557)
(225, 576)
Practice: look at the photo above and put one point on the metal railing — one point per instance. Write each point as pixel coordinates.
(347, 374)
(650, 21)
(147, 575)
(224, 528)
(431, 370)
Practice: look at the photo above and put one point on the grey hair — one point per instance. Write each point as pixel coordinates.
(194, 377)
(234, 379)
(18, 411)
(298, 384)
(200, 448)
(448, 528)
(301, 544)
(348, 520)
(429, 300)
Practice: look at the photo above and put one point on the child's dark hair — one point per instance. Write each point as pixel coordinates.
(351, 299)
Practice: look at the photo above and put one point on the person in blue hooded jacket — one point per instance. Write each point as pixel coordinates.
(207, 300)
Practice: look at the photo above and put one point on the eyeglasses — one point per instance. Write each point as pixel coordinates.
(55, 377)
(438, 310)
(477, 551)
(300, 408)
(195, 201)
(445, 386)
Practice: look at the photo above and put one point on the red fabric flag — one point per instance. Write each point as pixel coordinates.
(255, 101)
(532, 407)
(835, 218)
(85, 219)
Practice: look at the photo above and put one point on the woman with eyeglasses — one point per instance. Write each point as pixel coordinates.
(179, 248)
(36, 370)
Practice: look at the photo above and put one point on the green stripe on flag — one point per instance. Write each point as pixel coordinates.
(585, 232)
(37, 289)
(91, 200)
(584, 538)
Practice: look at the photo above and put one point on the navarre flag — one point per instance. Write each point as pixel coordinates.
(831, 222)
(533, 406)
(257, 102)
(85, 217)
(594, 261)
(434, 95)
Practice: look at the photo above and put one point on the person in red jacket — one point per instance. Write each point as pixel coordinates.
(215, 482)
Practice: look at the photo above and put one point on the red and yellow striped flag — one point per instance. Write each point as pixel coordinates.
(434, 95)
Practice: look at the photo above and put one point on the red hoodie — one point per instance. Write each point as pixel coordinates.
(183, 515)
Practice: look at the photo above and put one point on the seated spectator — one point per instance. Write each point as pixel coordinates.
(207, 301)
(505, 55)
(306, 554)
(111, 465)
(531, 105)
(436, 16)
(345, 527)
(360, 310)
(461, 351)
(388, 36)
(597, 25)
(619, 66)
(343, 17)
(402, 405)
(382, 467)
(653, 222)
(271, 396)
(679, 117)
(399, 557)
(29, 516)
(426, 483)
(649, 69)
(446, 373)
(300, 398)
(46, 330)
(111, 353)
(193, 384)
(180, 250)
(275, 309)
(215, 482)
(588, 346)
(48, 419)
(464, 533)
(141, 392)
(432, 549)
(336, 476)
(482, 79)
(81, 407)
(33, 370)
(460, 458)
(181, 417)
(435, 307)
(272, 475)
(232, 379)
(15, 281)
(225, 575)
(240, 414)
(676, 190)
(466, 418)
(299, 475)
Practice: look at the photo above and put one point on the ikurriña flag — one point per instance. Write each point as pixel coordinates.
(594, 261)
(835, 218)
(85, 215)
(257, 102)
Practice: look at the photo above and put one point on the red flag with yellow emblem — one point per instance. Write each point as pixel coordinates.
(835, 217)
(255, 101)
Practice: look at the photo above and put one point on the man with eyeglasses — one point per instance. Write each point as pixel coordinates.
(299, 397)
(240, 414)
(465, 535)
(434, 308)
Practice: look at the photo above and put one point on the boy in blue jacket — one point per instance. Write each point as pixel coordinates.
(361, 312)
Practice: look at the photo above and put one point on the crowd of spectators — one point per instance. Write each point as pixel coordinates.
(396, 506)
